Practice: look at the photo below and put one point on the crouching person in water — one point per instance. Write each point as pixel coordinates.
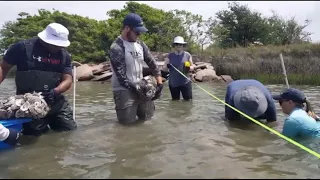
(250, 97)
(9, 136)
(127, 56)
(43, 65)
(299, 123)
(182, 60)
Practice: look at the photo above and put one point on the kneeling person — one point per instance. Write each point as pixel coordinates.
(43, 65)
(299, 123)
(250, 97)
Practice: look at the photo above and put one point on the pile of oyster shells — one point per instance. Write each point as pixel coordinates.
(149, 85)
(29, 105)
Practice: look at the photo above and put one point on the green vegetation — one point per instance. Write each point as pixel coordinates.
(263, 63)
(231, 36)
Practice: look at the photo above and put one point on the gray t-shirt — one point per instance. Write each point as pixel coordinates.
(127, 59)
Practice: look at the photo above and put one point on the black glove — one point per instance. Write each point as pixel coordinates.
(158, 92)
(186, 70)
(50, 96)
(13, 137)
(169, 65)
(137, 89)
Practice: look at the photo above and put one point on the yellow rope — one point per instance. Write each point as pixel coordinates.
(255, 121)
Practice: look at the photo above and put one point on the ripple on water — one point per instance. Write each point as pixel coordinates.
(184, 140)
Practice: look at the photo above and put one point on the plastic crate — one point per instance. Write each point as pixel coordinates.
(12, 124)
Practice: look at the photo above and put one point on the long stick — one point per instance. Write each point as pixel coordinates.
(284, 71)
(285, 75)
(74, 91)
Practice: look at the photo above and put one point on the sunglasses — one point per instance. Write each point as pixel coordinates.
(177, 44)
(135, 32)
(281, 101)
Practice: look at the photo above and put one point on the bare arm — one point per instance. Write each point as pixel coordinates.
(65, 84)
(166, 61)
(10, 59)
(4, 69)
(191, 63)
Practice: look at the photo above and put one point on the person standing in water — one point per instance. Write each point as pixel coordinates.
(127, 55)
(182, 60)
(299, 123)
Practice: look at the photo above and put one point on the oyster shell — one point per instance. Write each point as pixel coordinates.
(29, 105)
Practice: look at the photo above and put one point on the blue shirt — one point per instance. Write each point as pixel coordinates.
(44, 60)
(178, 60)
(300, 124)
(270, 114)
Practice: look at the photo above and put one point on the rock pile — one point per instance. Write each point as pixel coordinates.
(203, 72)
(86, 72)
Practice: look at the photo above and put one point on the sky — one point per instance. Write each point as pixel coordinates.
(302, 10)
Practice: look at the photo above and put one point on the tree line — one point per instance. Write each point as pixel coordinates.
(238, 25)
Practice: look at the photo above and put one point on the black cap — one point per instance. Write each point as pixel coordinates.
(135, 21)
(292, 94)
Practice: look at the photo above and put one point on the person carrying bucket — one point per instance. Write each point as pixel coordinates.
(182, 60)
(250, 97)
(43, 65)
(299, 123)
(8, 135)
(127, 55)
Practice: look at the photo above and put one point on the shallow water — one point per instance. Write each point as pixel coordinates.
(183, 140)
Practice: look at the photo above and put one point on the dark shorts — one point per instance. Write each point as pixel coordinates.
(60, 120)
(186, 91)
(128, 106)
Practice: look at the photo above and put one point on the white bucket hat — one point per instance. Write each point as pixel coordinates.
(179, 40)
(55, 34)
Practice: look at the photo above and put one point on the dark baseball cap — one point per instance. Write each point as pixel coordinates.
(135, 21)
(292, 94)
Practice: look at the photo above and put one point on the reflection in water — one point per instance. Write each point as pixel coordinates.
(183, 140)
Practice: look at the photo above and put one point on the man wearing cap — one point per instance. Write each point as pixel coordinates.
(43, 65)
(127, 56)
(250, 97)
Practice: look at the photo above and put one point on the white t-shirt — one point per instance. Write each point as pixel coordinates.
(134, 60)
(4, 133)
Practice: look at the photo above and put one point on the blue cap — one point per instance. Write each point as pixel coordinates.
(135, 21)
(292, 94)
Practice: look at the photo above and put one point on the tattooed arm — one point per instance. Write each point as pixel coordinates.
(117, 59)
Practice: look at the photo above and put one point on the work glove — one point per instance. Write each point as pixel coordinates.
(138, 90)
(50, 96)
(13, 137)
(158, 92)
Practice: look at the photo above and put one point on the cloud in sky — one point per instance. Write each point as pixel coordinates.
(97, 9)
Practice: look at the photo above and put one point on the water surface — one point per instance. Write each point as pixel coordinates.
(183, 140)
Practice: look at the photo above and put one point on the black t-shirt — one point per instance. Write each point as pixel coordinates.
(44, 60)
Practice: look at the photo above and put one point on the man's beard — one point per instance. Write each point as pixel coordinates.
(129, 38)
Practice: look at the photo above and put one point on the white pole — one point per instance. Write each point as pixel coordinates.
(74, 91)
(284, 71)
